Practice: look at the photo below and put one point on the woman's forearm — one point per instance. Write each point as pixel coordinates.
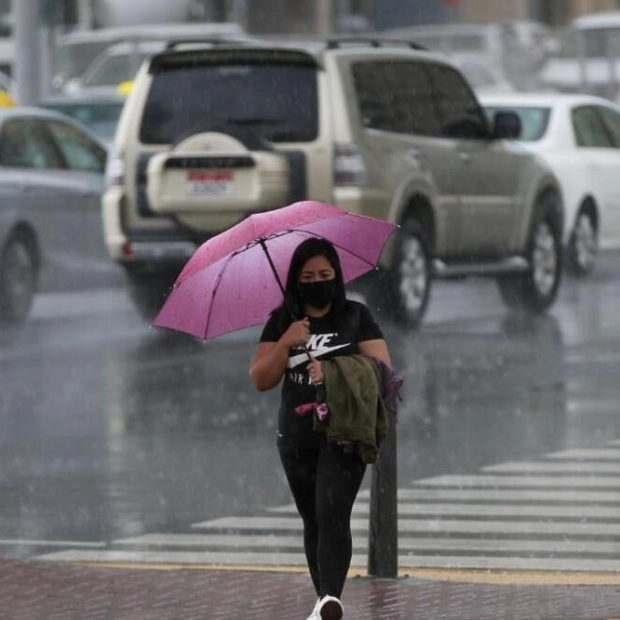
(267, 369)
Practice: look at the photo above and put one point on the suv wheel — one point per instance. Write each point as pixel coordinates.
(410, 277)
(18, 279)
(536, 289)
(148, 293)
(583, 244)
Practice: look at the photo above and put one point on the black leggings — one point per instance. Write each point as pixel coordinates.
(324, 483)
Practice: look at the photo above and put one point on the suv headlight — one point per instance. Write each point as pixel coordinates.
(349, 166)
(115, 168)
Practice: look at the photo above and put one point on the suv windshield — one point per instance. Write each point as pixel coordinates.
(275, 101)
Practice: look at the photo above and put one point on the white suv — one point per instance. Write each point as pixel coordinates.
(209, 136)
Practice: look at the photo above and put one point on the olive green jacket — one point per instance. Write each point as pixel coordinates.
(357, 413)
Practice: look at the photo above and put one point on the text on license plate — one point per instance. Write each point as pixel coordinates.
(202, 183)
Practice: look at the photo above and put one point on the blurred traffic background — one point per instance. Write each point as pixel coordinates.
(79, 58)
(94, 47)
(111, 429)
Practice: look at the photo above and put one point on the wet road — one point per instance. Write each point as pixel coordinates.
(111, 429)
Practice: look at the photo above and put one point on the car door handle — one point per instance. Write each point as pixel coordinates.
(465, 157)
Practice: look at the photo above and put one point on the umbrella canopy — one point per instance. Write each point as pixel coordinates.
(233, 280)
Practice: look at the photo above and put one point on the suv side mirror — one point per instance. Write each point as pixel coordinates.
(506, 126)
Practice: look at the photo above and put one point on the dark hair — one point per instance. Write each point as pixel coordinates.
(292, 307)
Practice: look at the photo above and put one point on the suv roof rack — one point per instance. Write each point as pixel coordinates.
(334, 43)
(174, 43)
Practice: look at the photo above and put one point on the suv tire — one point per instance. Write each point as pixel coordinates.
(148, 293)
(18, 280)
(410, 275)
(583, 243)
(536, 289)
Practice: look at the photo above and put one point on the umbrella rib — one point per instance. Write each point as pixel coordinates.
(347, 250)
(216, 288)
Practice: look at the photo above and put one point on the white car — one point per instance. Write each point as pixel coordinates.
(578, 136)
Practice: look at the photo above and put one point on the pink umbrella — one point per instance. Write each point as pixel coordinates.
(234, 280)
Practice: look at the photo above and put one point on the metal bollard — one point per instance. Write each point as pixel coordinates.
(383, 525)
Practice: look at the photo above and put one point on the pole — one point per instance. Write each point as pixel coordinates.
(581, 52)
(383, 520)
(86, 15)
(611, 49)
(46, 72)
(27, 51)
(324, 17)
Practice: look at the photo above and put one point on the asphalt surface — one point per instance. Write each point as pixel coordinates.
(147, 454)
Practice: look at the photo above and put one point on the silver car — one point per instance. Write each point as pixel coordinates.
(51, 180)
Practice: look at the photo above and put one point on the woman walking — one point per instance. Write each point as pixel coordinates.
(316, 323)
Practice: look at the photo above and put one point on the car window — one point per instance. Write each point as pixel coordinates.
(396, 96)
(534, 120)
(24, 143)
(249, 100)
(589, 128)
(80, 152)
(111, 72)
(460, 114)
(71, 60)
(100, 117)
(611, 119)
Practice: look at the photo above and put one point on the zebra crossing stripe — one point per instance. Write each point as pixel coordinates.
(250, 558)
(497, 482)
(591, 407)
(601, 454)
(552, 467)
(490, 495)
(500, 511)
(424, 526)
(360, 543)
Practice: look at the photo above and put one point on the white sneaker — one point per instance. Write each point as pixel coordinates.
(315, 615)
(329, 608)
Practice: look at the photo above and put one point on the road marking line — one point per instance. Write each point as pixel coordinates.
(435, 526)
(577, 513)
(186, 557)
(51, 543)
(195, 541)
(600, 454)
(555, 467)
(498, 495)
(591, 407)
(498, 482)
(512, 510)
(405, 562)
(509, 578)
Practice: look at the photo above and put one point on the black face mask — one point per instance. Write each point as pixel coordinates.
(318, 294)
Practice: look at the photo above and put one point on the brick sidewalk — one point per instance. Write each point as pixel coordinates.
(46, 591)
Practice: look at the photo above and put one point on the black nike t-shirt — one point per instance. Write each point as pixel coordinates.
(327, 339)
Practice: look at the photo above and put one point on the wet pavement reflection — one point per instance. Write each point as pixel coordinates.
(112, 429)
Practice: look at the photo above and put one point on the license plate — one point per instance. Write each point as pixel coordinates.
(212, 184)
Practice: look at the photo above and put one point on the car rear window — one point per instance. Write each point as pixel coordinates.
(534, 120)
(271, 100)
